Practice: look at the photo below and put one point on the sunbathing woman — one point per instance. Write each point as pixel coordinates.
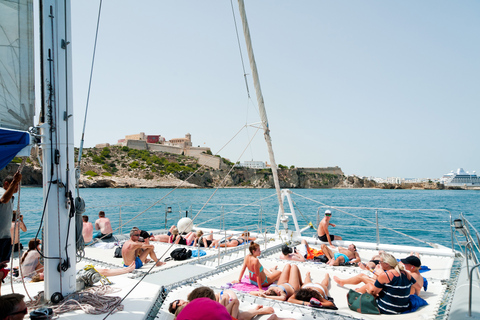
(177, 238)
(233, 241)
(314, 294)
(257, 274)
(203, 240)
(289, 282)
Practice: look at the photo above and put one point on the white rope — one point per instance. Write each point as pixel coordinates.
(17, 215)
(91, 301)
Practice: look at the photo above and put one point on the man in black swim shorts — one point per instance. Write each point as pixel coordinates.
(322, 231)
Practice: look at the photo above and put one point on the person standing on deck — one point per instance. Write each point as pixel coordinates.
(10, 186)
(15, 234)
(87, 230)
(103, 224)
(322, 231)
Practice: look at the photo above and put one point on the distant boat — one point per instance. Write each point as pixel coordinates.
(460, 179)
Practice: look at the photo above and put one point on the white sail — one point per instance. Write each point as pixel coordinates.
(16, 64)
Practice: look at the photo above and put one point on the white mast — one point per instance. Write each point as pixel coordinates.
(261, 104)
(57, 148)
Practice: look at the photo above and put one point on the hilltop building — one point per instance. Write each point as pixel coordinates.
(182, 146)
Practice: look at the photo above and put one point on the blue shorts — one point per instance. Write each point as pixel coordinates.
(336, 255)
(5, 249)
(138, 263)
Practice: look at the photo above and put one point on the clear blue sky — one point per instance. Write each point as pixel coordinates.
(379, 88)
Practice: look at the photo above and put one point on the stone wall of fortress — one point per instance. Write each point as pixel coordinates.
(203, 159)
(331, 170)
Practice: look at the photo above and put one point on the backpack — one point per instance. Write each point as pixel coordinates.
(118, 252)
(181, 254)
(321, 258)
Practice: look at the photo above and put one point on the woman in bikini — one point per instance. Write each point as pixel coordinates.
(314, 294)
(179, 239)
(257, 274)
(290, 281)
(233, 241)
(203, 239)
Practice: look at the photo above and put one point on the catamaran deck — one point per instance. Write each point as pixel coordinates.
(219, 267)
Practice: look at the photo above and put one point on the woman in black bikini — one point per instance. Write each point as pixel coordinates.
(233, 241)
(314, 294)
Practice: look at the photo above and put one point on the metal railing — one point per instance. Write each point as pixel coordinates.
(382, 221)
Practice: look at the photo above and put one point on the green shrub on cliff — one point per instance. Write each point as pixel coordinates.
(91, 173)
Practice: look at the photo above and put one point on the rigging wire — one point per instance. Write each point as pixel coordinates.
(368, 221)
(80, 150)
(240, 48)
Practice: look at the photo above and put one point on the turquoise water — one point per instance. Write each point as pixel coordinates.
(253, 208)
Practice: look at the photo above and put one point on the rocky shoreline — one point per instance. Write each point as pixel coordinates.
(117, 167)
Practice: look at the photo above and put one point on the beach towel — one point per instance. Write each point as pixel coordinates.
(246, 286)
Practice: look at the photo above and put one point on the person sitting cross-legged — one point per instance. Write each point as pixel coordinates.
(135, 251)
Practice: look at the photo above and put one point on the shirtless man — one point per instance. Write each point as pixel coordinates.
(103, 224)
(413, 264)
(322, 231)
(135, 251)
(342, 256)
(87, 230)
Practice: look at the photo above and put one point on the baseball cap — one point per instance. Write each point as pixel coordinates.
(204, 308)
(414, 261)
(328, 212)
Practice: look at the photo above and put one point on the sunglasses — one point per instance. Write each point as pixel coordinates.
(24, 311)
(175, 304)
(136, 235)
(328, 214)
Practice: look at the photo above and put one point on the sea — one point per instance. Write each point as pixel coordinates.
(410, 217)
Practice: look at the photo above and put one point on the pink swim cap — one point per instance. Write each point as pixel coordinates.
(204, 308)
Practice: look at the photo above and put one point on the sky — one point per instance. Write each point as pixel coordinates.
(378, 88)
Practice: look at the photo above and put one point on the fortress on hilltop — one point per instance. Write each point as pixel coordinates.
(180, 146)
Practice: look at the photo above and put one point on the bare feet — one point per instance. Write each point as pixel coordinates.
(275, 317)
(147, 261)
(265, 310)
(338, 281)
(160, 263)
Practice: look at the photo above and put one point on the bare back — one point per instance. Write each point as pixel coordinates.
(103, 224)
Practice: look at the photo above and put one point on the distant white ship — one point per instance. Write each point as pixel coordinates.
(460, 178)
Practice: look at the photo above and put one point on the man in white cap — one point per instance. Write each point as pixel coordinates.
(322, 231)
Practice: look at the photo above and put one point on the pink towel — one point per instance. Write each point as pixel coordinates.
(246, 286)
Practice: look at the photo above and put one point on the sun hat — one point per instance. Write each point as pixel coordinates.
(328, 212)
(204, 308)
(414, 261)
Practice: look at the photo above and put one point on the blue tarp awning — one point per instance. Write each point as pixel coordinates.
(11, 142)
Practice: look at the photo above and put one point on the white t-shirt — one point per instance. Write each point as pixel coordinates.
(31, 262)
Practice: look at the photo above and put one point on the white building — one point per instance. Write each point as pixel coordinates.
(253, 164)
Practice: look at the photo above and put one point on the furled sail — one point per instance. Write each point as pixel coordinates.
(17, 92)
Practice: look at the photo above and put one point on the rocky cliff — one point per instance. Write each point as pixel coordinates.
(122, 167)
